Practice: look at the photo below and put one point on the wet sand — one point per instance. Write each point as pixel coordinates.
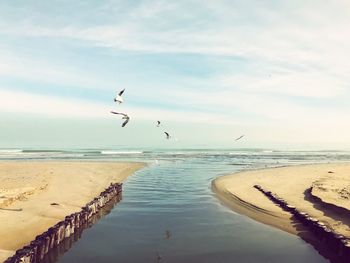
(36, 195)
(322, 191)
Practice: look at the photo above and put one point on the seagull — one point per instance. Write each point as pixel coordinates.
(119, 97)
(167, 234)
(158, 123)
(125, 117)
(159, 257)
(240, 137)
(167, 135)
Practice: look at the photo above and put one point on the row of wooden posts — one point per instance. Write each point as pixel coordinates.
(38, 248)
(339, 244)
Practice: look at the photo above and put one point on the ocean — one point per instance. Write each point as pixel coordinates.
(169, 213)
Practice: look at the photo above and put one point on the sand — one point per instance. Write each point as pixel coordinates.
(27, 190)
(322, 191)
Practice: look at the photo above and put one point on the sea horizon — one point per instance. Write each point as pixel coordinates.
(174, 131)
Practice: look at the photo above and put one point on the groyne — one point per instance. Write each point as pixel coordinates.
(65, 229)
(337, 243)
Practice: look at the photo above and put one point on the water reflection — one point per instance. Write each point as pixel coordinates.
(55, 253)
(169, 214)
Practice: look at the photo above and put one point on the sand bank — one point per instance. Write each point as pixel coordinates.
(322, 191)
(36, 195)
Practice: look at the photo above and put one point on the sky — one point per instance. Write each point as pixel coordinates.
(276, 71)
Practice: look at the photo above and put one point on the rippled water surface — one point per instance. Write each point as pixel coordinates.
(169, 213)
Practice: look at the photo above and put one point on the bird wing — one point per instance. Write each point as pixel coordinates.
(120, 113)
(119, 99)
(239, 137)
(125, 122)
(167, 134)
(121, 92)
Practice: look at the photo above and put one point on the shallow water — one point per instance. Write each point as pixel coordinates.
(169, 214)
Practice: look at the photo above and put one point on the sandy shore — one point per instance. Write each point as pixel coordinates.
(322, 191)
(27, 190)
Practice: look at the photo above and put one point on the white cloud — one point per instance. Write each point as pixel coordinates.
(32, 68)
(298, 39)
(289, 51)
(302, 84)
(28, 103)
(145, 29)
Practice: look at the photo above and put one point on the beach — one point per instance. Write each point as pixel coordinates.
(36, 195)
(320, 190)
(174, 191)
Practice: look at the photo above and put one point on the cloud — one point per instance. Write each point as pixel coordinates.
(28, 103)
(42, 70)
(154, 27)
(306, 54)
(266, 63)
(297, 84)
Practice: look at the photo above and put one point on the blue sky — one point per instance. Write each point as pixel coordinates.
(276, 71)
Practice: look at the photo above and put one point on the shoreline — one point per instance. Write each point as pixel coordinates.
(35, 195)
(320, 190)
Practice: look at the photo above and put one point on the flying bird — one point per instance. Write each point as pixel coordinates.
(167, 135)
(159, 257)
(167, 234)
(158, 123)
(125, 117)
(119, 97)
(240, 137)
